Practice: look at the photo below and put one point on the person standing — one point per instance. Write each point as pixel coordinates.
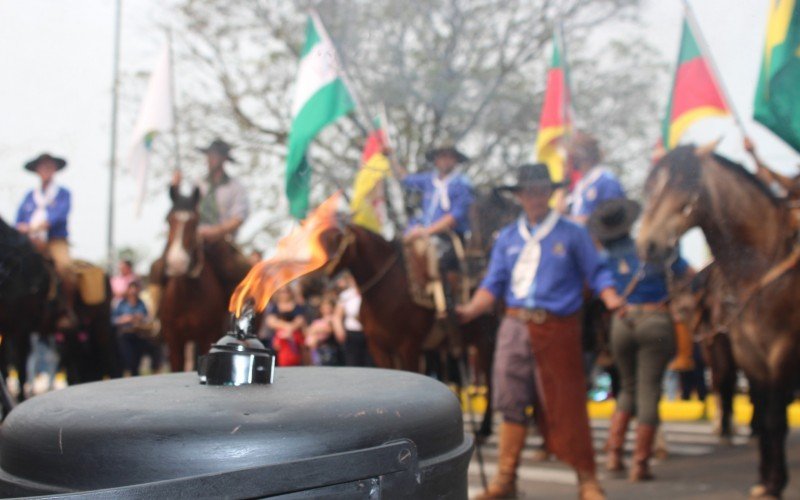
(642, 333)
(120, 282)
(43, 216)
(597, 182)
(538, 267)
(347, 325)
(285, 317)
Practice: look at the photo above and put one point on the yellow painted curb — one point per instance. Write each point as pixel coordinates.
(670, 411)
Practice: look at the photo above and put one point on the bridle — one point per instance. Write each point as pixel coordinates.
(348, 238)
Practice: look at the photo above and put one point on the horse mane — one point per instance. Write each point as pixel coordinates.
(684, 160)
(743, 173)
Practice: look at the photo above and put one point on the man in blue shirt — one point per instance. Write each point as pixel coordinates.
(597, 184)
(43, 216)
(642, 335)
(446, 200)
(538, 267)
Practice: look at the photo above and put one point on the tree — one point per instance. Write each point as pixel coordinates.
(470, 70)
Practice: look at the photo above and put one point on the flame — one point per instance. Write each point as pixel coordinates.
(299, 253)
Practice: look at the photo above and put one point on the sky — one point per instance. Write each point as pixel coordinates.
(55, 96)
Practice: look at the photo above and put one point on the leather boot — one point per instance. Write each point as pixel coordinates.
(616, 440)
(645, 435)
(589, 487)
(512, 441)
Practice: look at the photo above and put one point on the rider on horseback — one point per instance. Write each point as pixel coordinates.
(446, 199)
(223, 209)
(597, 184)
(43, 216)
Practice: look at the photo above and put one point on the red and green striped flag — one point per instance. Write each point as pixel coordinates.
(777, 103)
(695, 92)
(554, 122)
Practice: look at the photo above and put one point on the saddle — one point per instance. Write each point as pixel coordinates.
(427, 286)
(90, 281)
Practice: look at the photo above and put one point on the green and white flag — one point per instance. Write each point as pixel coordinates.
(321, 97)
(777, 103)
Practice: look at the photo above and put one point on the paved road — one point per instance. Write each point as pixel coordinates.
(698, 467)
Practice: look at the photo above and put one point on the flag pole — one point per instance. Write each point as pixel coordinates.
(113, 139)
(704, 48)
(362, 110)
(173, 100)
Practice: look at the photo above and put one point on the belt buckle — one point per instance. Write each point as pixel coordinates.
(535, 316)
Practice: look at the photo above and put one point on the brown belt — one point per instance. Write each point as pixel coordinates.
(535, 316)
(648, 307)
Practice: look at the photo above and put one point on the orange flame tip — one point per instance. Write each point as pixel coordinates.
(299, 253)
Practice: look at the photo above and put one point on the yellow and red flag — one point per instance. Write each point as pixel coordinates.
(695, 94)
(368, 204)
(555, 120)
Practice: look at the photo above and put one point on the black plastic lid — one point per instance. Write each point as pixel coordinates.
(145, 429)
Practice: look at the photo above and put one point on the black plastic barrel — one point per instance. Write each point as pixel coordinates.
(316, 432)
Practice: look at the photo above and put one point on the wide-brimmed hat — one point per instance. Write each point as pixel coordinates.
(31, 165)
(446, 147)
(613, 219)
(220, 147)
(531, 175)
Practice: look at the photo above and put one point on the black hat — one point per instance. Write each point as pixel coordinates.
(613, 219)
(31, 165)
(529, 175)
(220, 147)
(446, 147)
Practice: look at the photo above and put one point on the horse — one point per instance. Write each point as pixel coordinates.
(27, 300)
(88, 352)
(749, 233)
(396, 327)
(193, 305)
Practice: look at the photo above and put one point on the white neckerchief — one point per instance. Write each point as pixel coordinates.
(524, 271)
(587, 180)
(42, 199)
(442, 197)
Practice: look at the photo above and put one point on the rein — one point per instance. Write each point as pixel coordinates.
(349, 238)
(194, 273)
(379, 276)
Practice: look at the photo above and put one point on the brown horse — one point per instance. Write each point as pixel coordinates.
(193, 305)
(749, 233)
(709, 303)
(395, 326)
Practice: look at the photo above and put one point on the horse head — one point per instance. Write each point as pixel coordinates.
(673, 191)
(339, 243)
(184, 249)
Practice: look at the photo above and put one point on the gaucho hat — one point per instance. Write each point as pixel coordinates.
(31, 165)
(531, 175)
(613, 219)
(446, 147)
(220, 147)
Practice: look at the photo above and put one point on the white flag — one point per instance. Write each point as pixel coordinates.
(155, 116)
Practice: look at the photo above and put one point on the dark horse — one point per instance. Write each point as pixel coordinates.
(749, 233)
(193, 306)
(27, 300)
(710, 304)
(30, 301)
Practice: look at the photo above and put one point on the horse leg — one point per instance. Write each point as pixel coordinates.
(723, 375)
(176, 350)
(776, 428)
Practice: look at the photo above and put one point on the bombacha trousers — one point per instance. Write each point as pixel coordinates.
(642, 343)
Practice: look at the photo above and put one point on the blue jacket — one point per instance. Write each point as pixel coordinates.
(57, 213)
(599, 185)
(622, 258)
(569, 260)
(459, 190)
